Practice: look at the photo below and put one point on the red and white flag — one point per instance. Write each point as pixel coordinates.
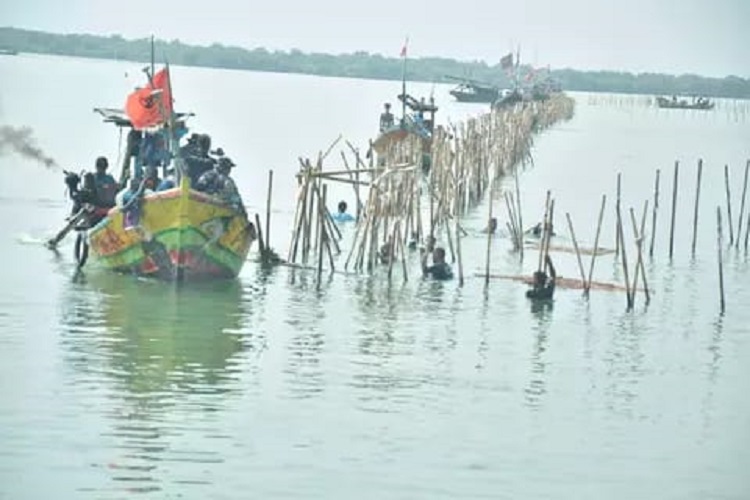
(403, 49)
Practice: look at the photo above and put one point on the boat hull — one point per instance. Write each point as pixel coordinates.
(485, 97)
(180, 235)
(669, 104)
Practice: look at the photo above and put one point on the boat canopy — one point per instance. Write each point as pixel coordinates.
(120, 118)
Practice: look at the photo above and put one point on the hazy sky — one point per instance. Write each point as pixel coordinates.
(708, 37)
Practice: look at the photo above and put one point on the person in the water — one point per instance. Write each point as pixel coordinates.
(543, 287)
(342, 215)
(537, 230)
(491, 227)
(439, 270)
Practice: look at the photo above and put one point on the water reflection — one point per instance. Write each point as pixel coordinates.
(161, 355)
(541, 311)
(304, 314)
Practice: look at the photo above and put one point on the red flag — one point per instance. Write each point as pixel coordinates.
(151, 105)
(403, 49)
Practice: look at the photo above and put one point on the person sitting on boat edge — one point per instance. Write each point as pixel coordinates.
(217, 182)
(106, 186)
(168, 182)
(386, 118)
(196, 156)
(229, 192)
(124, 197)
(152, 180)
(342, 215)
(439, 270)
(543, 286)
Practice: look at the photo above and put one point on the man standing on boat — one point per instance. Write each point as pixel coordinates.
(386, 118)
(106, 186)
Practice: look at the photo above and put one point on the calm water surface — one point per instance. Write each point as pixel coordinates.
(263, 388)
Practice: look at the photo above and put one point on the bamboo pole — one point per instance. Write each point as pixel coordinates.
(641, 235)
(511, 222)
(742, 205)
(638, 256)
(624, 261)
(321, 233)
(548, 231)
(268, 209)
(458, 252)
(719, 247)
(489, 239)
(697, 199)
(261, 242)
(729, 205)
(617, 229)
(520, 218)
(578, 252)
(674, 208)
(544, 230)
(653, 217)
(596, 244)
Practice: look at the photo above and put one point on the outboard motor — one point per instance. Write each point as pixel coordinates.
(72, 181)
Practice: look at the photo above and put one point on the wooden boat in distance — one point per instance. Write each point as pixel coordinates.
(418, 123)
(474, 91)
(699, 103)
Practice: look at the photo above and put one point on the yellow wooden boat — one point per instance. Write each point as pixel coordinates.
(181, 235)
(177, 234)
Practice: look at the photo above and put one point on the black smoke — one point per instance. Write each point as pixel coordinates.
(20, 140)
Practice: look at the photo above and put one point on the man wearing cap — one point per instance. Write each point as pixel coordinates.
(218, 182)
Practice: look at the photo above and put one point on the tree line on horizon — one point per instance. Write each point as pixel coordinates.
(358, 64)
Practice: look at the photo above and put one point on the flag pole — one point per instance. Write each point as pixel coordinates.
(403, 81)
(152, 55)
(173, 141)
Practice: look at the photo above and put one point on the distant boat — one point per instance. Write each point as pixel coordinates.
(508, 98)
(8, 52)
(419, 123)
(474, 91)
(700, 103)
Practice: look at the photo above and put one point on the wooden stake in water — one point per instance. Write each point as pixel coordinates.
(639, 268)
(520, 219)
(624, 261)
(596, 245)
(697, 199)
(719, 246)
(458, 253)
(674, 208)
(545, 224)
(641, 235)
(489, 236)
(653, 217)
(268, 210)
(578, 252)
(617, 207)
(321, 232)
(729, 205)
(742, 205)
